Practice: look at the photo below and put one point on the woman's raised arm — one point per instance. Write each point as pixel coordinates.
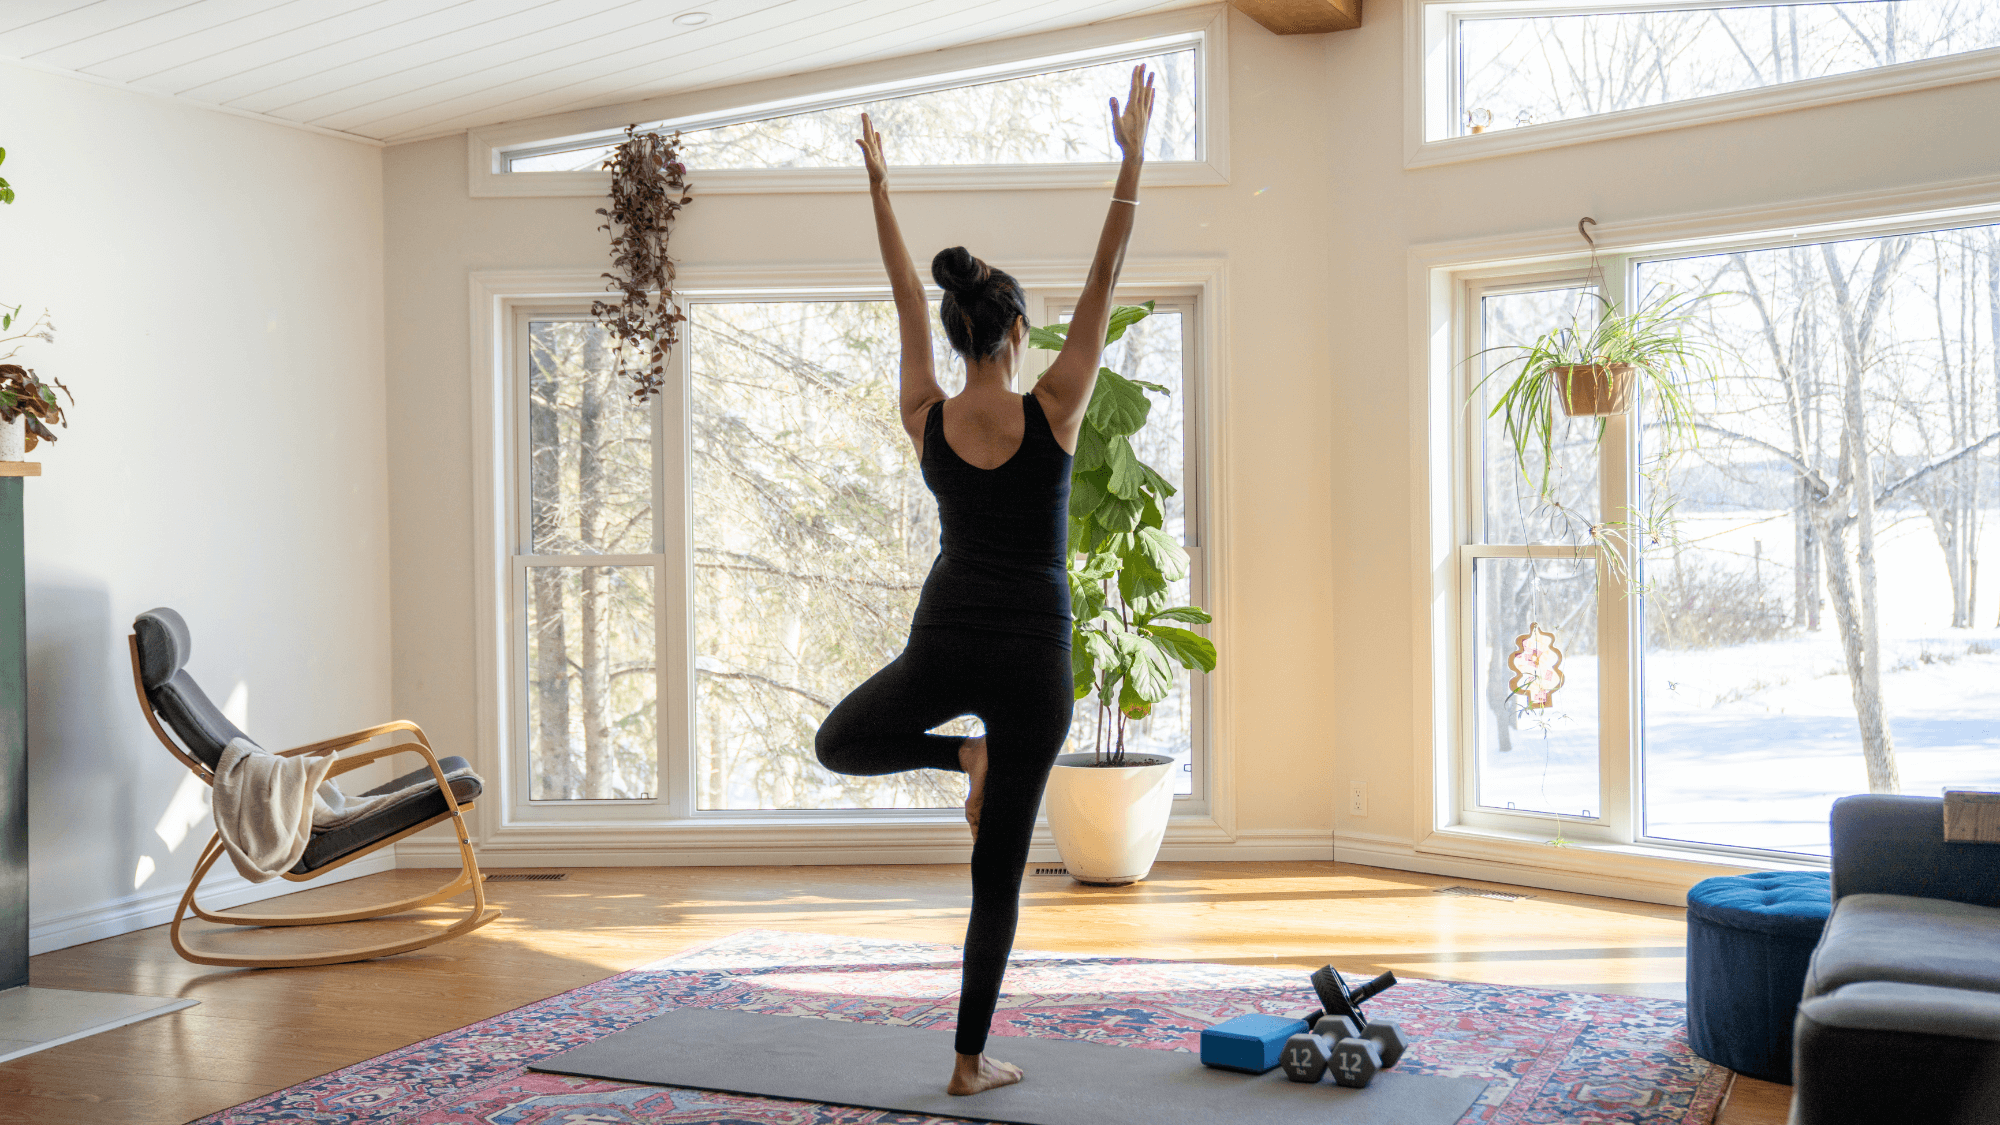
(913, 313)
(1065, 389)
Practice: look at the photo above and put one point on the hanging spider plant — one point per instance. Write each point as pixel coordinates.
(1593, 367)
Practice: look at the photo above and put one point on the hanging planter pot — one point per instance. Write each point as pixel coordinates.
(1593, 390)
(1108, 820)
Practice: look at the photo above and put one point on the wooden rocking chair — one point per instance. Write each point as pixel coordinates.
(160, 645)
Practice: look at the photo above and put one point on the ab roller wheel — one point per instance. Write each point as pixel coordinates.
(1344, 1042)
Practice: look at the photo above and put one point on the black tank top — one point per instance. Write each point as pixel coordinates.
(1004, 545)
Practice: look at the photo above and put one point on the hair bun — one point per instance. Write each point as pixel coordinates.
(957, 271)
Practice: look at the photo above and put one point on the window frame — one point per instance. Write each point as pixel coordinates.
(1447, 281)
(1430, 100)
(503, 302)
(1205, 30)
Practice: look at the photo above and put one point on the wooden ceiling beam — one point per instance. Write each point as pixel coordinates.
(1303, 17)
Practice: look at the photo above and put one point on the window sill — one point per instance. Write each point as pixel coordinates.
(1663, 869)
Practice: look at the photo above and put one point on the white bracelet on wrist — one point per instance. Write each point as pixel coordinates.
(1133, 202)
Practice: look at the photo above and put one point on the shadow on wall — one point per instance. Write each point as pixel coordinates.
(90, 798)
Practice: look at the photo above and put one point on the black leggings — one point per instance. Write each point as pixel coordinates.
(1020, 688)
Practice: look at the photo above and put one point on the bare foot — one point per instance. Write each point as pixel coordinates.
(973, 1073)
(972, 759)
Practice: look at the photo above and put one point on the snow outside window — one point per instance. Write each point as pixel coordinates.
(1813, 616)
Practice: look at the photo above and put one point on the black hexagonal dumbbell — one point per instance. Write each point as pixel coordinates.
(1355, 1062)
(1307, 1054)
(1388, 1037)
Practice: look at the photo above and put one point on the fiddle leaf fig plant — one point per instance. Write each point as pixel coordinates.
(1126, 641)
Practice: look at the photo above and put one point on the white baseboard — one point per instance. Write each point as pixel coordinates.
(1269, 845)
(1251, 844)
(1400, 855)
(143, 909)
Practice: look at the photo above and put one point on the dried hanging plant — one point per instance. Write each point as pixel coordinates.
(648, 188)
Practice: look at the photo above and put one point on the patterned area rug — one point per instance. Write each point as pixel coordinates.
(1548, 1056)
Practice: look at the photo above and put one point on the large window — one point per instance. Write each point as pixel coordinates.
(765, 517)
(1810, 618)
(586, 578)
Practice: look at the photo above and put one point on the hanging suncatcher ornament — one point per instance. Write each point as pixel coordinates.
(1537, 665)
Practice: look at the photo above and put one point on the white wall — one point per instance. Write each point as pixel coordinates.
(1272, 224)
(217, 286)
(1382, 210)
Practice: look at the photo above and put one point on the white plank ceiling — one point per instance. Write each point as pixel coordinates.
(404, 70)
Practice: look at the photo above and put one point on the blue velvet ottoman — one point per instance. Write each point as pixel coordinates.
(1750, 939)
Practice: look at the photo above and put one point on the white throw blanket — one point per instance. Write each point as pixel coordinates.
(267, 807)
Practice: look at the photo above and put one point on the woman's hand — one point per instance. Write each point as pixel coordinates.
(871, 151)
(1130, 125)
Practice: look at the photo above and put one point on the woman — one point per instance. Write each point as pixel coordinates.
(991, 632)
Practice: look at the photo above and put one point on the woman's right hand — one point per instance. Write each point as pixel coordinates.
(1130, 125)
(871, 153)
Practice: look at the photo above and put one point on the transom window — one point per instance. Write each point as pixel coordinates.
(1495, 66)
(1042, 114)
(1818, 566)
(702, 576)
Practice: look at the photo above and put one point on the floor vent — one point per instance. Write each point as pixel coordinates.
(1480, 892)
(1044, 869)
(528, 877)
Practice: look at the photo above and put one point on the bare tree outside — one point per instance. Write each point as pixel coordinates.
(812, 536)
(591, 668)
(1529, 70)
(1841, 476)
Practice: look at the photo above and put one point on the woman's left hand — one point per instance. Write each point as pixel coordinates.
(1130, 125)
(871, 153)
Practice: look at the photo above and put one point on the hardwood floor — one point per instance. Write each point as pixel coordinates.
(259, 1030)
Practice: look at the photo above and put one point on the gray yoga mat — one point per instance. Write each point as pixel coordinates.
(1069, 1083)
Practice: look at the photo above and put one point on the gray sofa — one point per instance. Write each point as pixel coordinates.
(1901, 1016)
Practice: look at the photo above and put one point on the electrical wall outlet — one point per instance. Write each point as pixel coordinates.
(1357, 798)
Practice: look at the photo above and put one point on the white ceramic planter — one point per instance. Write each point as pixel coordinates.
(1108, 822)
(14, 440)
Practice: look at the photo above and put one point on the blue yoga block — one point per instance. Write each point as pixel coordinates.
(1248, 1043)
(1750, 940)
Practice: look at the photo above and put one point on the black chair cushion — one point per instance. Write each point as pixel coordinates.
(338, 843)
(198, 723)
(164, 645)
